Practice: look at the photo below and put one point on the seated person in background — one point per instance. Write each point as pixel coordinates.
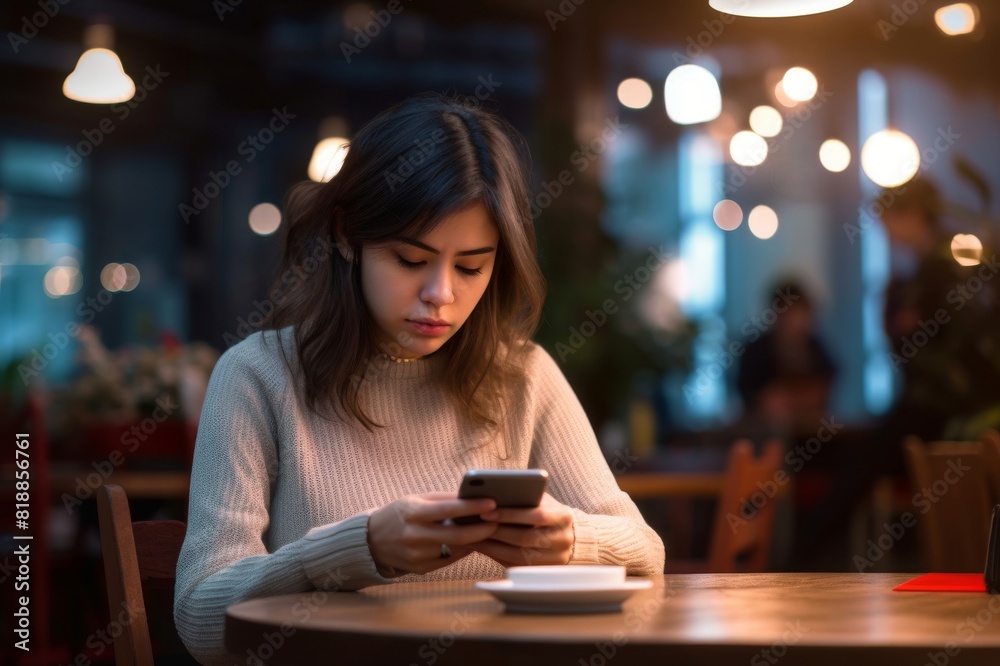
(397, 357)
(785, 375)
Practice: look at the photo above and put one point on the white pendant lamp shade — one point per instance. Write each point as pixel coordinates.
(776, 8)
(692, 95)
(99, 79)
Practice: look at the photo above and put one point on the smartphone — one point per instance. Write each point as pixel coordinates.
(509, 487)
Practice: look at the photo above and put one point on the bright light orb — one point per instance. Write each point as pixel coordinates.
(635, 93)
(692, 95)
(957, 19)
(99, 78)
(766, 120)
(727, 215)
(763, 222)
(799, 84)
(327, 159)
(264, 219)
(967, 249)
(834, 155)
(748, 148)
(890, 158)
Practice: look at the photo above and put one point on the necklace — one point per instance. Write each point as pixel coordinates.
(398, 360)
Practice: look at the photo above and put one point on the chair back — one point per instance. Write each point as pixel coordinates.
(951, 502)
(744, 521)
(134, 553)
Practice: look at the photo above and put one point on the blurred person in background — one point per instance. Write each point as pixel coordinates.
(785, 375)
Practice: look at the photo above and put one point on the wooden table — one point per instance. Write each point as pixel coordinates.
(816, 619)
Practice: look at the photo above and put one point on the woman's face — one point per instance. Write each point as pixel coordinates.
(439, 277)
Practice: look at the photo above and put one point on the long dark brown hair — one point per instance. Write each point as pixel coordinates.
(412, 165)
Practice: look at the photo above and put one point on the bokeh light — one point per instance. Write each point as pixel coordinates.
(692, 95)
(264, 219)
(727, 215)
(635, 93)
(766, 120)
(62, 281)
(763, 222)
(113, 277)
(799, 84)
(748, 148)
(834, 155)
(890, 158)
(327, 159)
(957, 19)
(967, 249)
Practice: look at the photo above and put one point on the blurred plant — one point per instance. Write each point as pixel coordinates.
(129, 384)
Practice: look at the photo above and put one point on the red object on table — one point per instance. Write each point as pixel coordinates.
(944, 582)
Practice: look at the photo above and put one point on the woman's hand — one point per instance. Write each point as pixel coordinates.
(539, 535)
(406, 535)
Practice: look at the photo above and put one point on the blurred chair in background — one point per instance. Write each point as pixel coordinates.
(743, 527)
(952, 502)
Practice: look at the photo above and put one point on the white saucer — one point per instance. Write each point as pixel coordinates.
(563, 598)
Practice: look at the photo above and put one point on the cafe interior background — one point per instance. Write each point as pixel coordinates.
(686, 163)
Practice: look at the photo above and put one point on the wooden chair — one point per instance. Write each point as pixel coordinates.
(135, 553)
(952, 505)
(742, 531)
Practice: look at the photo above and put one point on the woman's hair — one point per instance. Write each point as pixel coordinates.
(412, 165)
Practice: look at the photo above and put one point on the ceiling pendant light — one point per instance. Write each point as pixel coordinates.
(329, 154)
(99, 77)
(775, 8)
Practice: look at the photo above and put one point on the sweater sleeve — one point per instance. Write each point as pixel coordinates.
(224, 558)
(608, 526)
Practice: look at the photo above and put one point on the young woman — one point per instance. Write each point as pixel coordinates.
(398, 356)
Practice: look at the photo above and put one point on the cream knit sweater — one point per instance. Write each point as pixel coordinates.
(280, 498)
